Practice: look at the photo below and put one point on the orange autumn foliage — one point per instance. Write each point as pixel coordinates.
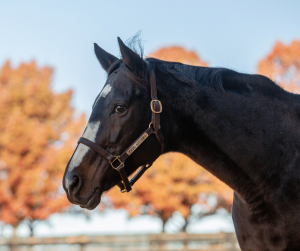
(38, 132)
(178, 54)
(282, 65)
(174, 182)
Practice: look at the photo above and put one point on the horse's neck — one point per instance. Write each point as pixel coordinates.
(200, 122)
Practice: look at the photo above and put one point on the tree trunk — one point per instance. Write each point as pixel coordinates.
(185, 225)
(14, 236)
(164, 221)
(31, 228)
(161, 244)
(14, 247)
(185, 243)
(183, 229)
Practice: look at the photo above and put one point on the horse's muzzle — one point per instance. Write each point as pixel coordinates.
(73, 185)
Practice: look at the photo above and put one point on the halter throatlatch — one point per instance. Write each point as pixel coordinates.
(118, 162)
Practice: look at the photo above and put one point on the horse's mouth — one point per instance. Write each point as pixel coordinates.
(93, 201)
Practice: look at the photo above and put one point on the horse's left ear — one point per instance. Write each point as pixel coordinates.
(105, 59)
(132, 60)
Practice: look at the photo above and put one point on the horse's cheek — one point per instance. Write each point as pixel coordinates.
(114, 135)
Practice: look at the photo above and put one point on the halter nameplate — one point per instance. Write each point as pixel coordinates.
(137, 144)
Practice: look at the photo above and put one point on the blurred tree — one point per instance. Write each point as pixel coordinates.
(38, 136)
(178, 54)
(282, 65)
(174, 182)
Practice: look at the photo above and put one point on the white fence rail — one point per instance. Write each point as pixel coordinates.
(159, 242)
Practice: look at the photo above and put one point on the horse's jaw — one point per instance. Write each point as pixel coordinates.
(93, 201)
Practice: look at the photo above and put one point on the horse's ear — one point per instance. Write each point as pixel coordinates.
(104, 57)
(132, 60)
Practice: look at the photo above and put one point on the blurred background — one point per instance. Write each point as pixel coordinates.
(49, 79)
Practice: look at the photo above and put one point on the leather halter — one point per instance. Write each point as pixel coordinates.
(117, 161)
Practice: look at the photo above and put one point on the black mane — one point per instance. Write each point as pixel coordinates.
(219, 79)
(192, 75)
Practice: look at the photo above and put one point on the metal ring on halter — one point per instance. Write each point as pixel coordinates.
(123, 191)
(152, 124)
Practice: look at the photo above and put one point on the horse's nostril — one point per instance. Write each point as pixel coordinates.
(75, 185)
(75, 180)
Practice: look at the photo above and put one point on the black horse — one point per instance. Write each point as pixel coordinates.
(242, 128)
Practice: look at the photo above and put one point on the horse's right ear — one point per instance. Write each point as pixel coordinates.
(132, 60)
(104, 57)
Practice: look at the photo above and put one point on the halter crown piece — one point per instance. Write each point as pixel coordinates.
(117, 162)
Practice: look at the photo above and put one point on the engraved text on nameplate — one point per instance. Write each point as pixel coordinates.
(137, 144)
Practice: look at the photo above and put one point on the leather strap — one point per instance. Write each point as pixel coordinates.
(96, 148)
(135, 178)
(156, 108)
(125, 180)
(117, 162)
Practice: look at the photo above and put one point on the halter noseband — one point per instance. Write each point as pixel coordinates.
(117, 162)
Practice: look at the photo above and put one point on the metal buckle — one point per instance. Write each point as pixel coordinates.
(152, 107)
(116, 158)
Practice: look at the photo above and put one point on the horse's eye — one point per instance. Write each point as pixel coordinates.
(120, 109)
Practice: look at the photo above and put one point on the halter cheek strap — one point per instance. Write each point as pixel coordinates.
(117, 161)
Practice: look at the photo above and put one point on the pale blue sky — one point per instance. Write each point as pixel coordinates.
(234, 34)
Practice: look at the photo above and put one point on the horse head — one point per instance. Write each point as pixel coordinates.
(120, 114)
